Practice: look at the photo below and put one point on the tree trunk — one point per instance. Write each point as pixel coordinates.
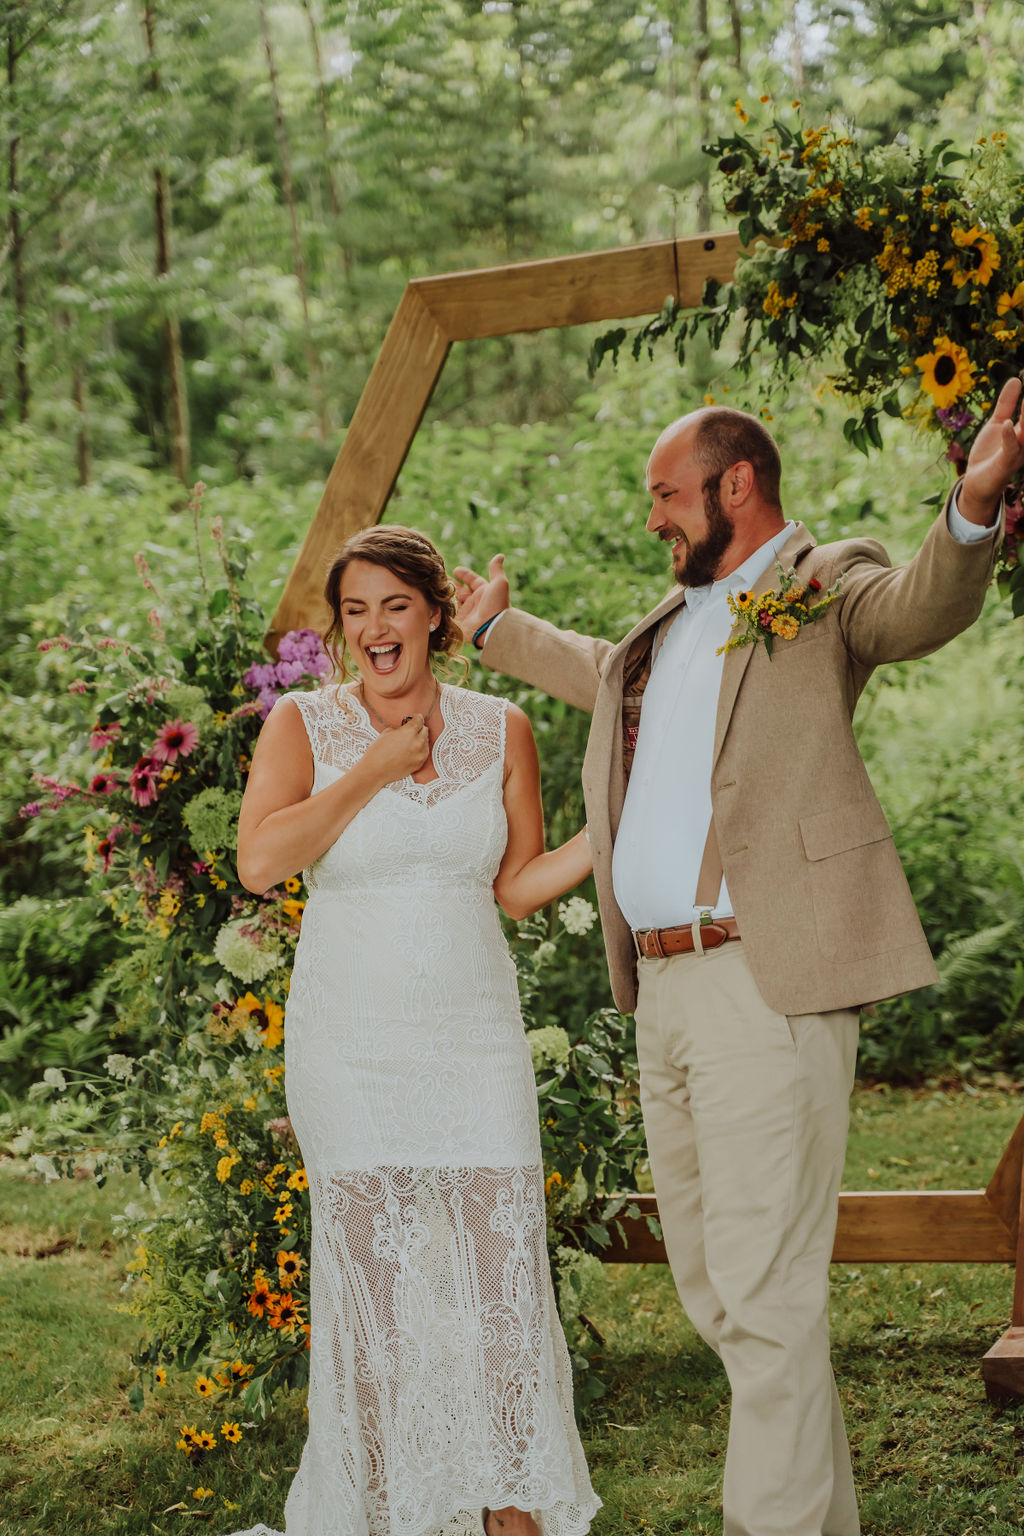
(17, 243)
(737, 35)
(83, 451)
(288, 189)
(701, 53)
(796, 48)
(174, 363)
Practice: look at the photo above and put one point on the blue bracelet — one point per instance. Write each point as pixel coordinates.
(484, 627)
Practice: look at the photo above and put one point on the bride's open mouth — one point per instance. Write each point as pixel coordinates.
(384, 658)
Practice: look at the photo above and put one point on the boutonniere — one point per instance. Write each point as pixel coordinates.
(780, 615)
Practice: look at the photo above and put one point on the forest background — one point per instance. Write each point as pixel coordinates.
(207, 217)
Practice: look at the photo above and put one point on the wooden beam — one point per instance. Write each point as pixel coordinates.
(576, 290)
(875, 1227)
(384, 424)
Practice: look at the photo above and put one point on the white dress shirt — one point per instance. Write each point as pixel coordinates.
(667, 812)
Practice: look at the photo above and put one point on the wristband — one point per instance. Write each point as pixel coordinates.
(484, 627)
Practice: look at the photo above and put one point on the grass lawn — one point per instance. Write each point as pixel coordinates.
(931, 1456)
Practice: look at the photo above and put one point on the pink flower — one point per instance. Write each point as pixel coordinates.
(78, 686)
(103, 735)
(176, 739)
(103, 784)
(64, 641)
(143, 786)
(32, 809)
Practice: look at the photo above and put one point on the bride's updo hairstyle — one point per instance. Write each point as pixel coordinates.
(413, 559)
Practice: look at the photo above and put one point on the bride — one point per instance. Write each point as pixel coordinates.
(440, 1393)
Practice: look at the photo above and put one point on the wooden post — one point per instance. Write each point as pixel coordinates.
(1003, 1367)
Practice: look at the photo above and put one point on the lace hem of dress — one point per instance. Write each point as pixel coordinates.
(572, 1520)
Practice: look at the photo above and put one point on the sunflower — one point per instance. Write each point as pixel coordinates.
(980, 256)
(948, 372)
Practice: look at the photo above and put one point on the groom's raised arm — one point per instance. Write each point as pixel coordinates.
(563, 663)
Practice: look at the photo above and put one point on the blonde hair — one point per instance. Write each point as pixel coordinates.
(414, 560)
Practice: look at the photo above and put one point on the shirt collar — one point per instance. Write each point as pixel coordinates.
(739, 580)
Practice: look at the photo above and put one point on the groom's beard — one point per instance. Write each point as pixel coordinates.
(699, 564)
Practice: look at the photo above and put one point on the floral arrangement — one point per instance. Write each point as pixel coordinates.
(900, 269)
(219, 1279)
(763, 618)
(219, 1275)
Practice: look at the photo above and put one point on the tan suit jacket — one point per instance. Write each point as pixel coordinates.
(819, 894)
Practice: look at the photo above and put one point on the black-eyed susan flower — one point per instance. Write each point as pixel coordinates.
(299, 1180)
(289, 1268)
(205, 1387)
(284, 1313)
(189, 1441)
(205, 1441)
(161, 1376)
(231, 1432)
(293, 886)
(261, 1296)
(947, 372)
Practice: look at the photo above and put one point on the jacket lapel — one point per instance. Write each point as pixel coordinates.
(736, 662)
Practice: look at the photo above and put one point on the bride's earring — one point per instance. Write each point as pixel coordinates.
(432, 625)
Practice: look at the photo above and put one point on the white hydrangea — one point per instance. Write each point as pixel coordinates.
(581, 1279)
(577, 915)
(549, 1046)
(247, 955)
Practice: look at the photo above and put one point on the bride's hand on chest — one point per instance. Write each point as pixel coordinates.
(400, 751)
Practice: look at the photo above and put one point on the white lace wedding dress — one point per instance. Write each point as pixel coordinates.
(439, 1376)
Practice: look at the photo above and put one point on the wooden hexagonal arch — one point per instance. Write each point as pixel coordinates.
(972, 1226)
(464, 306)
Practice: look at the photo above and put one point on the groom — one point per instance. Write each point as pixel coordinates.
(752, 899)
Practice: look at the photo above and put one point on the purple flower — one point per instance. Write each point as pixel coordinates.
(952, 419)
(32, 809)
(289, 672)
(260, 675)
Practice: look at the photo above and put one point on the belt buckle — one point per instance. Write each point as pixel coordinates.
(636, 932)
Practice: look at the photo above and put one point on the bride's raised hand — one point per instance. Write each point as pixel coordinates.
(400, 750)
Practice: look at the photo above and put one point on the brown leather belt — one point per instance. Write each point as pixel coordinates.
(659, 943)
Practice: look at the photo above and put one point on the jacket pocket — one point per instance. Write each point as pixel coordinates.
(852, 825)
(862, 906)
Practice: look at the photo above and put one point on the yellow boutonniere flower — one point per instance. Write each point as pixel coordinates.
(778, 615)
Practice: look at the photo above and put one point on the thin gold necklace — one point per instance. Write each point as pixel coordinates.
(383, 723)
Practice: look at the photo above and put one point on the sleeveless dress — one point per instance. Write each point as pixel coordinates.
(440, 1381)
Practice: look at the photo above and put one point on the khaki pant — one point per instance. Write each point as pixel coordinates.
(746, 1114)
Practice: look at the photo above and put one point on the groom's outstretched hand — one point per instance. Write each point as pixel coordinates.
(997, 454)
(480, 599)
